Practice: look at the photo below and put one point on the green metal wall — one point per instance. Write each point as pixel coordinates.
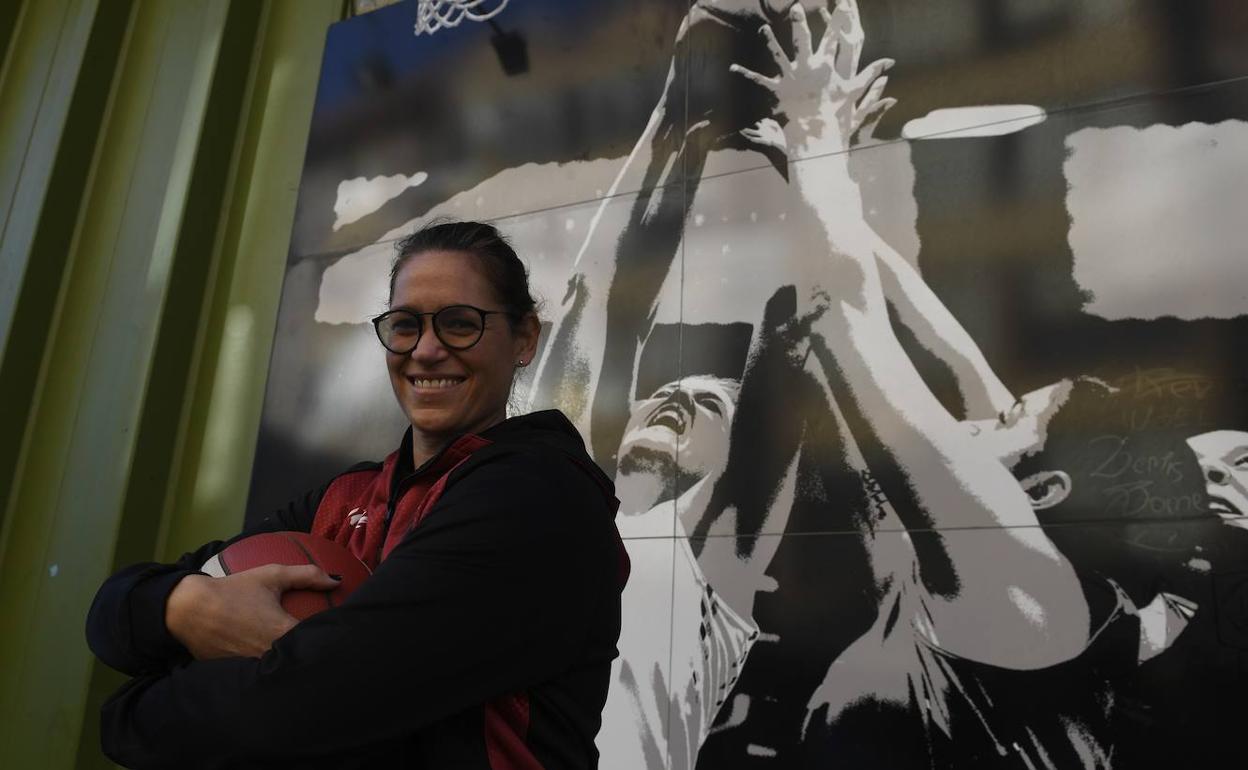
(150, 153)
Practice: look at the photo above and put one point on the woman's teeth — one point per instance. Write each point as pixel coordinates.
(438, 383)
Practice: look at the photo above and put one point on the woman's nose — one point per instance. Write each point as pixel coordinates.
(428, 347)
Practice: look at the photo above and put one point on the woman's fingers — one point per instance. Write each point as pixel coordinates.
(241, 614)
(307, 577)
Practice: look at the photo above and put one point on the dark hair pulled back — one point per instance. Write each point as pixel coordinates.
(503, 269)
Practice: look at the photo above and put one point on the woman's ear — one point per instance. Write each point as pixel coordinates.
(526, 331)
(1046, 488)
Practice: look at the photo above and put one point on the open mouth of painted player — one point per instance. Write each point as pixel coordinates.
(1223, 507)
(671, 416)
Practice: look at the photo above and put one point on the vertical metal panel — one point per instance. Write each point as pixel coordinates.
(90, 399)
(53, 106)
(9, 14)
(227, 388)
(142, 231)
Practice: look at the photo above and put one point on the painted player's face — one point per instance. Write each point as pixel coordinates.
(1223, 456)
(687, 421)
(445, 392)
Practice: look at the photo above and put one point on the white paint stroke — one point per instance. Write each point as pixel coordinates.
(1157, 219)
(748, 210)
(359, 197)
(966, 122)
(354, 287)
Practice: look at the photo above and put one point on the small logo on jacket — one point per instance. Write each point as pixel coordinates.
(358, 517)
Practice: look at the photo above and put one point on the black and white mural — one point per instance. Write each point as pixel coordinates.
(912, 332)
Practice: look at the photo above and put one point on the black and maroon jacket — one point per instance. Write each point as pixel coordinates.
(483, 639)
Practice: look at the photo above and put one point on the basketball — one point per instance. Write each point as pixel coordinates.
(294, 549)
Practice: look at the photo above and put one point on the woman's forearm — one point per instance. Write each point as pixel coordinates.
(491, 594)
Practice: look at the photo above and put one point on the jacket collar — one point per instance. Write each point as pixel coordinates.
(550, 426)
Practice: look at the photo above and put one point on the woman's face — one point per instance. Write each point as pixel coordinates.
(446, 392)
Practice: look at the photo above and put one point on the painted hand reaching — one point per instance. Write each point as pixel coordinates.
(821, 100)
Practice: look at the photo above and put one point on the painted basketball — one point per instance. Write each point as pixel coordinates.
(294, 549)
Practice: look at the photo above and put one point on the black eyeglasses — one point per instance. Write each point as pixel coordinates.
(459, 327)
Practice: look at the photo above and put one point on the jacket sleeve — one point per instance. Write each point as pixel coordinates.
(126, 622)
(496, 591)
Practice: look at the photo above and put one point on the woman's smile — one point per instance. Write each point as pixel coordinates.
(430, 383)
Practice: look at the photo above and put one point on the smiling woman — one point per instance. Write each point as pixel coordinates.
(473, 289)
(493, 610)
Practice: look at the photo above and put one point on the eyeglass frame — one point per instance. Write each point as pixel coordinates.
(433, 322)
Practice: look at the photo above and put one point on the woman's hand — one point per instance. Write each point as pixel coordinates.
(239, 615)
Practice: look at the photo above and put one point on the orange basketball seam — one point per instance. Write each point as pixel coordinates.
(311, 560)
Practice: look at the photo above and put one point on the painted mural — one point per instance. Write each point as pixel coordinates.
(911, 331)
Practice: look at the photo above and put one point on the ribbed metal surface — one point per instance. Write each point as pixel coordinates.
(150, 152)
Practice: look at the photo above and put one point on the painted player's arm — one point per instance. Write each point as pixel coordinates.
(754, 490)
(1007, 572)
(587, 368)
(776, 397)
(495, 592)
(1006, 568)
(129, 625)
(825, 81)
(983, 394)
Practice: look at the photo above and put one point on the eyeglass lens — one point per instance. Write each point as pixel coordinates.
(457, 326)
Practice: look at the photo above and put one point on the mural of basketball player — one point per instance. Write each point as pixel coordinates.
(895, 608)
(667, 689)
(1167, 715)
(589, 366)
(593, 349)
(943, 587)
(963, 617)
(668, 692)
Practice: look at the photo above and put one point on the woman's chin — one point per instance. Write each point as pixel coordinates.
(447, 422)
(434, 420)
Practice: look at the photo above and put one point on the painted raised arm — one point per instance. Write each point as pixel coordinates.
(588, 367)
(825, 102)
(1007, 570)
